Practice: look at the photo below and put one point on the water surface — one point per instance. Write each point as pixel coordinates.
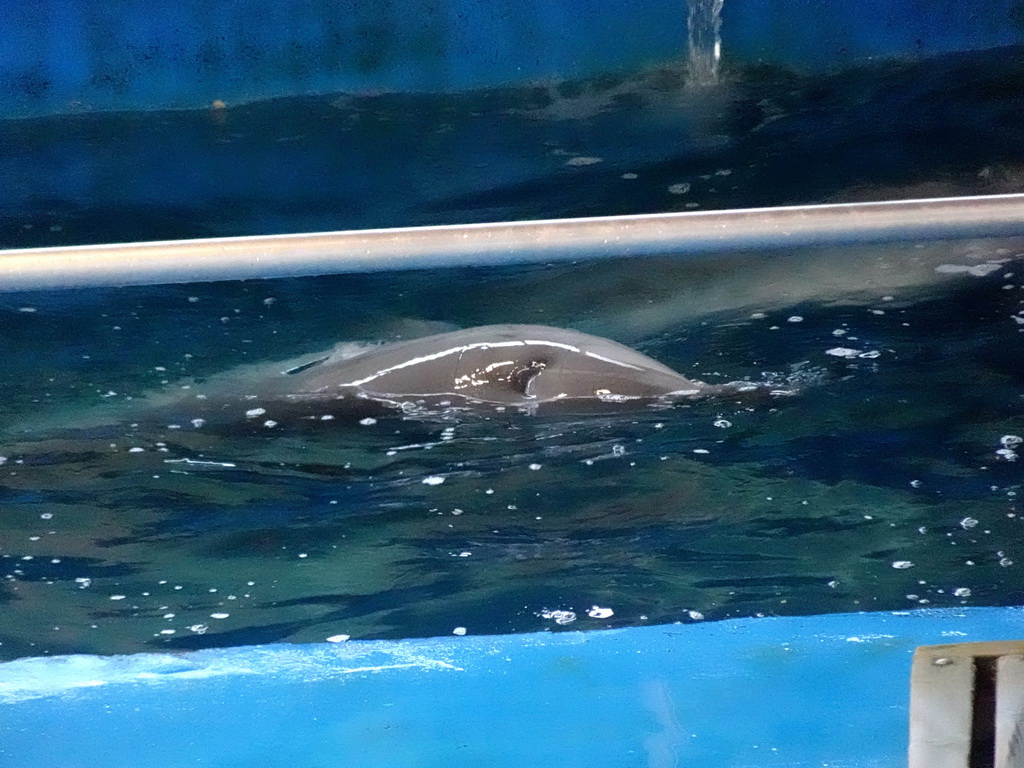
(889, 481)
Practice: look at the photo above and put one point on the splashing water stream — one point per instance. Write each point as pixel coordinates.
(704, 41)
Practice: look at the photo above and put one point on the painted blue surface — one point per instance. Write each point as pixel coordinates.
(73, 55)
(819, 34)
(61, 56)
(806, 691)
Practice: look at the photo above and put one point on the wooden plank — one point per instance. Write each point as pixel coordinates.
(1010, 712)
(942, 688)
(967, 706)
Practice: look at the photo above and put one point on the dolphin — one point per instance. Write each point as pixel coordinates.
(522, 367)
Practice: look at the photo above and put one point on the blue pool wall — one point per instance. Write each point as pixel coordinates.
(66, 56)
(796, 692)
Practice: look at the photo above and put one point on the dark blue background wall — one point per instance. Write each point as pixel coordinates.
(823, 33)
(74, 55)
(66, 55)
(69, 55)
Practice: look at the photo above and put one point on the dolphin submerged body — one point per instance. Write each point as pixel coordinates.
(523, 367)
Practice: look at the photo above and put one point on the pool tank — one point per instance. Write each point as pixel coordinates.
(815, 204)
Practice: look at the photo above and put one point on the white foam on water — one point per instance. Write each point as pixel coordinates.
(974, 270)
(34, 678)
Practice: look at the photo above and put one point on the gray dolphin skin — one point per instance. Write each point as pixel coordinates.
(493, 366)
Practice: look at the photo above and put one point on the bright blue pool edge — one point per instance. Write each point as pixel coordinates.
(798, 691)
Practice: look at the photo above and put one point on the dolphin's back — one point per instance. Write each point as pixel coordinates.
(496, 363)
(523, 366)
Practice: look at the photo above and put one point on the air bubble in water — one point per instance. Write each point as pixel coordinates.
(559, 617)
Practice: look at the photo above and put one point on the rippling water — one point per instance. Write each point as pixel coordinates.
(889, 481)
(625, 143)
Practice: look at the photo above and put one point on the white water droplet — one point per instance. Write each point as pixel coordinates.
(844, 352)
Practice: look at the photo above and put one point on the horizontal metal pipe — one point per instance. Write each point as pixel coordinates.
(186, 261)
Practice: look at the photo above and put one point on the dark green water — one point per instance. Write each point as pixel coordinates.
(878, 486)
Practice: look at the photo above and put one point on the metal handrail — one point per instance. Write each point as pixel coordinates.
(497, 244)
